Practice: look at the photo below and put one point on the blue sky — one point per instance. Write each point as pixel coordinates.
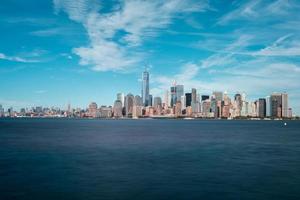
(60, 51)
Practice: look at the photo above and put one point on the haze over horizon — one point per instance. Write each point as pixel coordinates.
(60, 51)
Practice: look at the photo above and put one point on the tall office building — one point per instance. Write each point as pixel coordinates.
(194, 95)
(179, 92)
(138, 101)
(129, 100)
(1, 111)
(93, 109)
(188, 99)
(173, 95)
(218, 96)
(183, 102)
(261, 108)
(150, 100)
(121, 97)
(145, 88)
(166, 99)
(204, 97)
(276, 105)
(157, 102)
(117, 109)
(285, 107)
(268, 106)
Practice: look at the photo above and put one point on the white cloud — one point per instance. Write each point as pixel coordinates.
(284, 46)
(260, 11)
(114, 35)
(16, 59)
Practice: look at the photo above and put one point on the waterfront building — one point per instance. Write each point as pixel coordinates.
(225, 111)
(206, 108)
(173, 96)
(138, 101)
(178, 109)
(183, 102)
(137, 111)
(150, 100)
(218, 96)
(166, 100)
(129, 100)
(194, 95)
(121, 98)
(188, 99)
(268, 106)
(92, 110)
(261, 108)
(145, 88)
(105, 112)
(276, 105)
(290, 113)
(284, 105)
(204, 97)
(238, 104)
(179, 92)
(117, 109)
(1, 111)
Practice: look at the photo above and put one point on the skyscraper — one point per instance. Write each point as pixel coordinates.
(138, 101)
(166, 99)
(268, 106)
(150, 101)
(120, 97)
(284, 104)
(173, 96)
(218, 96)
(1, 111)
(194, 95)
(204, 97)
(276, 105)
(188, 99)
(261, 108)
(145, 88)
(179, 92)
(117, 109)
(129, 100)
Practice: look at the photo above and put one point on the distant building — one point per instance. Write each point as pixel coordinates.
(166, 100)
(145, 88)
(285, 106)
(204, 97)
(188, 99)
(261, 108)
(218, 96)
(129, 101)
(1, 111)
(105, 112)
(179, 92)
(194, 95)
(92, 111)
(138, 101)
(276, 105)
(268, 106)
(178, 109)
(150, 100)
(121, 98)
(173, 96)
(117, 109)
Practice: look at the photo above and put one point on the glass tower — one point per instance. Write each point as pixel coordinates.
(145, 88)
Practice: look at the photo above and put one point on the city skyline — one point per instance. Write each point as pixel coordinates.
(177, 103)
(56, 52)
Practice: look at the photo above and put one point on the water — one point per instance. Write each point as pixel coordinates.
(149, 159)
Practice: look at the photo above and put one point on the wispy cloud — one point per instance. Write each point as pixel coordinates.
(115, 35)
(17, 59)
(259, 11)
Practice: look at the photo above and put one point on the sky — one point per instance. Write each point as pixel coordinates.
(55, 52)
